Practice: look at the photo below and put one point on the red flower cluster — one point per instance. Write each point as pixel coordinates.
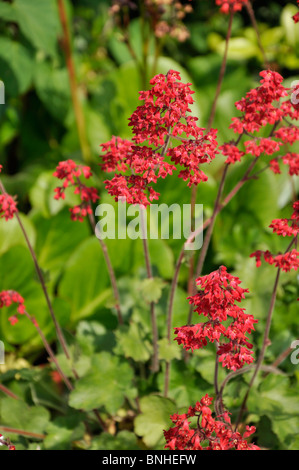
(209, 434)
(70, 172)
(216, 301)
(228, 5)
(258, 108)
(262, 145)
(7, 298)
(232, 153)
(285, 262)
(286, 228)
(291, 159)
(264, 106)
(8, 206)
(162, 116)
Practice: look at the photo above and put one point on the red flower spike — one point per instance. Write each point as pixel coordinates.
(163, 115)
(285, 228)
(216, 301)
(210, 433)
(70, 173)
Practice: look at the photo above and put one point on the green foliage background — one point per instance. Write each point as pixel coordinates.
(37, 130)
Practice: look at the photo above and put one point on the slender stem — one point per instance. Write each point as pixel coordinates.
(255, 26)
(79, 116)
(208, 236)
(231, 375)
(155, 360)
(172, 295)
(210, 122)
(21, 432)
(266, 340)
(42, 281)
(216, 386)
(49, 351)
(8, 392)
(222, 70)
(110, 271)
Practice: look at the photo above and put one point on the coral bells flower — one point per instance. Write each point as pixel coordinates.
(208, 433)
(70, 172)
(8, 206)
(285, 228)
(259, 107)
(161, 118)
(9, 297)
(232, 153)
(216, 301)
(228, 5)
(285, 262)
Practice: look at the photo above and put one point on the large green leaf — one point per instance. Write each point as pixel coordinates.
(39, 22)
(16, 66)
(57, 238)
(153, 420)
(132, 343)
(53, 89)
(24, 281)
(17, 414)
(106, 385)
(11, 233)
(85, 283)
(62, 431)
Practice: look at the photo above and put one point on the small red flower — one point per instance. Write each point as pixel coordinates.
(70, 172)
(8, 206)
(228, 5)
(9, 297)
(216, 301)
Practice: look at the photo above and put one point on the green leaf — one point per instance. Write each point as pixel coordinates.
(85, 281)
(57, 238)
(106, 385)
(11, 233)
(132, 342)
(151, 289)
(24, 281)
(7, 12)
(167, 351)
(17, 414)
(53, 89)
(153, 420)
(93, 337)
(16, 66)
(39, 22)
(63, 431)
(124, 440)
